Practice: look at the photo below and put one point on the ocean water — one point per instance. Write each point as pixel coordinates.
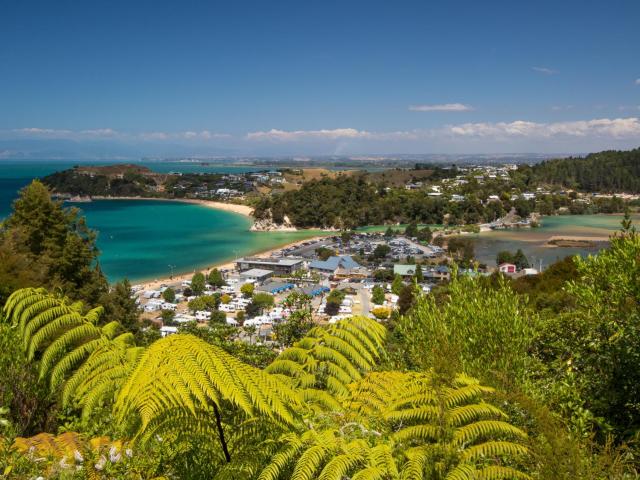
(15, 174)
(147, 239)
(142, 240)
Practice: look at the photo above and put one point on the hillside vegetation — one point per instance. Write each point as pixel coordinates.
(610, 171)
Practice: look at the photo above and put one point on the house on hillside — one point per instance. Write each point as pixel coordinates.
(405, 271)
(507, 268)
(436, 274)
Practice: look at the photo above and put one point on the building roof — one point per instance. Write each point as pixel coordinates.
(314, 290)
(404, 270)
(335, 262)
(256, 272)
(275, 287)
(285, 261)
(440, 269)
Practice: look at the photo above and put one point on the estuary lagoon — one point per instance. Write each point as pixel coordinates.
(533, 241)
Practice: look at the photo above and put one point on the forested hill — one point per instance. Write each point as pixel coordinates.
(609, 171)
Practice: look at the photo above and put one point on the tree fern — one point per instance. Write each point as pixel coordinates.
(333, 357)
(198, 377)
(73, 347)
(328, 455)
(456, 419)
(395, 425)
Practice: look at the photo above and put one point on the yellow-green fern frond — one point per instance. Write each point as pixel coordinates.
(497, 472)
(329, 455)
(443, 430)
(493, 449)
(485, 429)
(182, 371)
(457, 396)
(22, 299)
(67, 339)
(330, 358)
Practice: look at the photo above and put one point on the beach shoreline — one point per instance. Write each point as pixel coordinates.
(244, 210)
(178, 278)
(240, 209)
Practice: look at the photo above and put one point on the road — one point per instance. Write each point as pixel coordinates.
(364, 301)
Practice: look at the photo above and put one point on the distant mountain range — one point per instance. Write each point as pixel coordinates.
(64, 149)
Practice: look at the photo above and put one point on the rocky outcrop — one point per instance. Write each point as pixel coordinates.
(268, 225)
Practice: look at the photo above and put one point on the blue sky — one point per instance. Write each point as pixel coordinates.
(345, 77)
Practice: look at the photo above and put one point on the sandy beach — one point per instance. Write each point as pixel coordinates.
(559, 241)
(228, 207)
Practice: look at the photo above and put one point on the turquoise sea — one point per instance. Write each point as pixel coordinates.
(141, 239)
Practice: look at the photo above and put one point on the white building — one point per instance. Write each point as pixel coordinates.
(227, 307)
(164, 331)
(203, 315)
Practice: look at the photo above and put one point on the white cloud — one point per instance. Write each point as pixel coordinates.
(203, 135)
(637, 82)
(601, 127)
(616, 128)
(518, 135)
(100, 132)
(34, 131)
(445, 107)
(544, 70)
(296, 135)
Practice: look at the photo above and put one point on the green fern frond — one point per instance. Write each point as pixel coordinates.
(423, 433)
(468, 413)
(427, 413)
(464, 471)
(58, 368)
(340, 466)
(19, 300)
(199, 375)
(71, 324)
(497, 472)
(43, 318)
(417, 460)
(493, 449)
(320, 398)
(332, 357)
(293, 445)
(483, 429)
(456, 396)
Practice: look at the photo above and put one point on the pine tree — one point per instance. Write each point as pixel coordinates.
(56, 241)
(120, 306)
